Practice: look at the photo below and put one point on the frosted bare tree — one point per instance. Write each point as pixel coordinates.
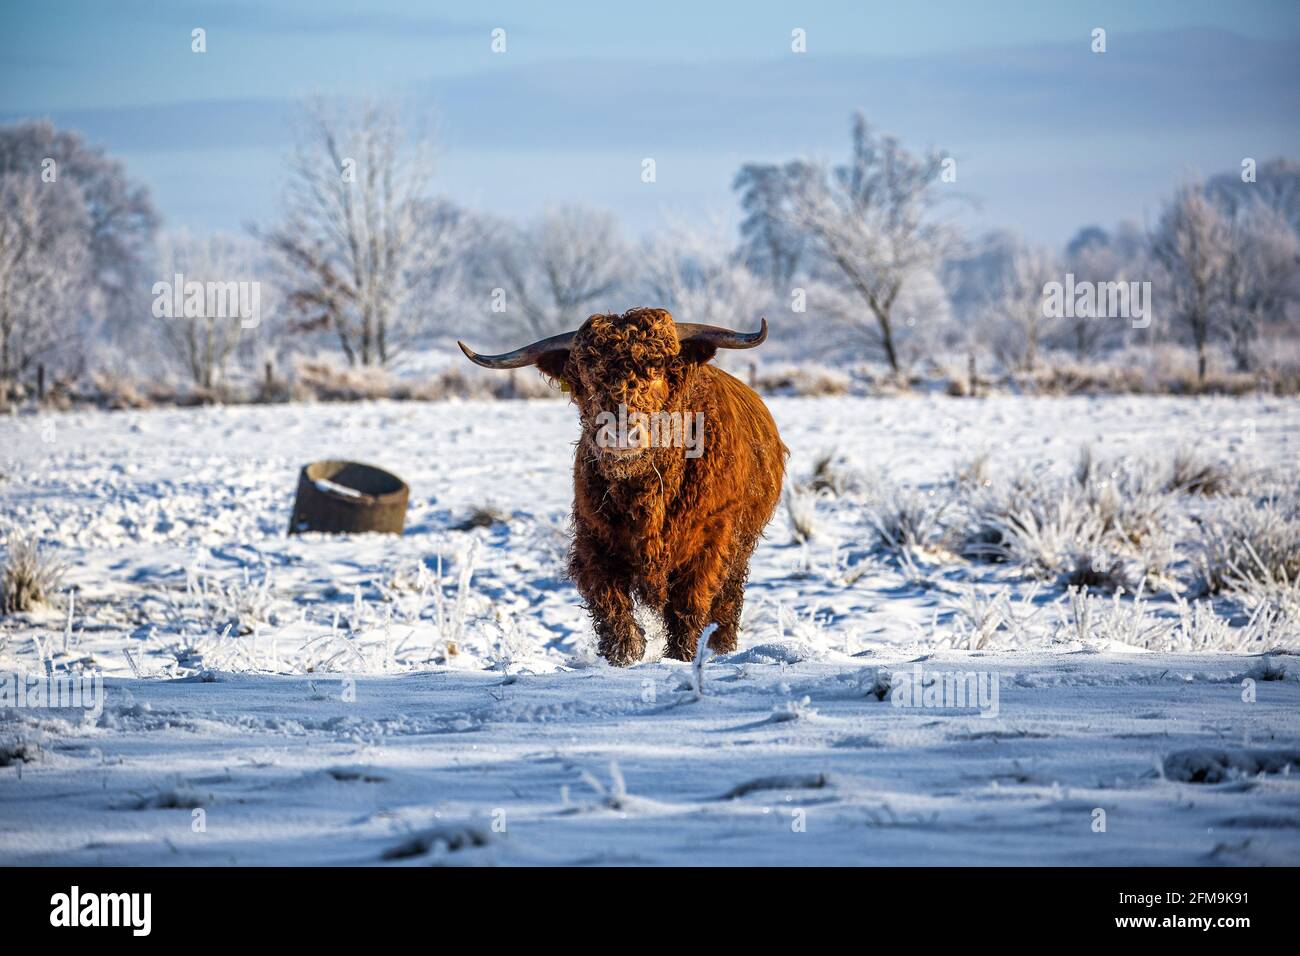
(1263, 265)
(870, 224)
(45, 272)
(1097, 256)
(354, 244)
(570, 261)
(924, 314)
(119, 217)
(1092, 262)
(1191, 246)
(1018, 326)
(204, 345)
(770, 245)
(1276, 185)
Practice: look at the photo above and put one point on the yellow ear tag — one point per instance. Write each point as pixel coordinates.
(565, 386)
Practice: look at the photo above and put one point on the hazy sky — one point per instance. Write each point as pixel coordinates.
(1048, 135)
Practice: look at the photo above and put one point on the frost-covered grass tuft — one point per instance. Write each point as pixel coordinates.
(1099, 571)
(451, 618)
(438, 840)
(19, 749)
(907, 521)
(980, 615)
(1251, 551)
(876, 682)
(208, 606)
(801, 512)
(30, 577)
(1102, 531)
(976, 472)
(1245, 544)
(613, 797)
(483, 516)
(1267, 669)
(1196, 627)
(245, 602)
(801, 709)
(1042, 529)
(833, 475)
(1089, 618)
(179, 797)
(1193, 472)
(1201, 628)
(1105, 527)
(510, 647)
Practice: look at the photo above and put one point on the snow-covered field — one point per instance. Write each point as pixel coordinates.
(435, 697)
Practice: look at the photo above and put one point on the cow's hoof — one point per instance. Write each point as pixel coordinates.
(624, 653)
(679, 652)
(722, 642)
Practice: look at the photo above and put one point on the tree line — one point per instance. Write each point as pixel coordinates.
(860, 258)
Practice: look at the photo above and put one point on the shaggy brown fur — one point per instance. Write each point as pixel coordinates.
(672, 531)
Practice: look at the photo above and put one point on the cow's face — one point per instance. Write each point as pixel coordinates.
(623, 370)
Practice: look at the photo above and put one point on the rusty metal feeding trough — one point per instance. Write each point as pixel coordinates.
(342, 497)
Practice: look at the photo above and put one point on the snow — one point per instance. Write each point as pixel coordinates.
(334, 488)
(435, 697)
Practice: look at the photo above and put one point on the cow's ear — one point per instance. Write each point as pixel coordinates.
(551, 364)
(697, 353)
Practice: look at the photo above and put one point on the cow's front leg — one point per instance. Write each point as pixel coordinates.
(725, 611)
(606, 592)
(690, 601)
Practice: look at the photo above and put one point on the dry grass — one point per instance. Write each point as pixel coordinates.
(805, 380)
(306, 380)
(1161, 369)
(19, 749)
(1250, 551)
(1245, 542)
(907, 521)
(326, 382)
(1106, 527)
(29, 579)
(832, 475)
(977, 472)
(1164, 372)
(117, 392)
(801, 512)
(484, 516)
(1192, 472)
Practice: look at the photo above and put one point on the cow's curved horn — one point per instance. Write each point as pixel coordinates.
(528, 355)
(721, 338)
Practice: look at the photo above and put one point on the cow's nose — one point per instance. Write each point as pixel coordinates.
(638, 435)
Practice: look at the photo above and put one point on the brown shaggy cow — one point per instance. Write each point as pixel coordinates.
(671, 526)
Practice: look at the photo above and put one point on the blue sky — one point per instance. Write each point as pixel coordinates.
(1048, 135)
